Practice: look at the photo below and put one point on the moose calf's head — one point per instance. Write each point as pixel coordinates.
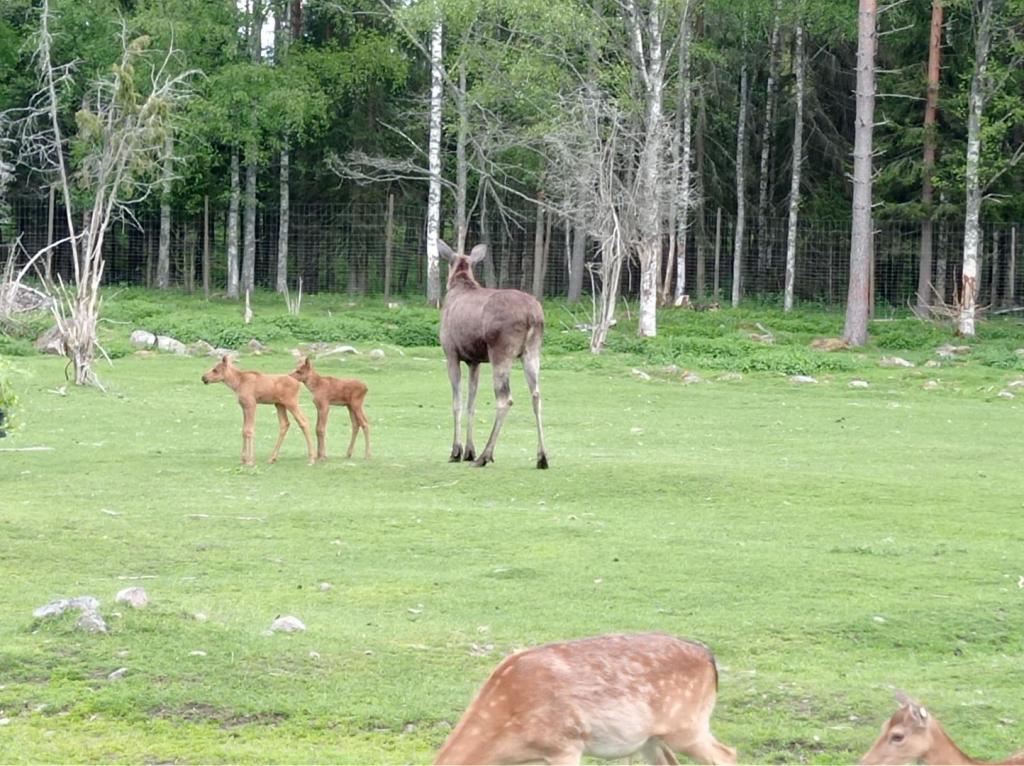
(216, 374)
(461, 268)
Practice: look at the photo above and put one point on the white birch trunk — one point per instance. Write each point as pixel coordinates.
(651, 69)
(685, 173)
(282, 227)
(163, 257)
(764, 253)
(461, 166)
(973, 191)
(858, 298)
(434, 159)
(794, 184)
(741, 203)
(235, 198)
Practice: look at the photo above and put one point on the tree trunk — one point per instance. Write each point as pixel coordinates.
(651, 70)
(188, 271)
(764, 253)
(718, 251)
(685, 110)
(282, 227)
(794, 184)
(741, 209)
(537, 288)
(249, 229)
(461, 166)
(1011, 271)
(994, 271)
(973, 191)
(434, 159)
(490, 279)
(931, 108)
(855, 331)
(48, 263)
(232, 246)
(163, 257)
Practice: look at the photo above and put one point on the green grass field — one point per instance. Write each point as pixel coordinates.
(828, 543)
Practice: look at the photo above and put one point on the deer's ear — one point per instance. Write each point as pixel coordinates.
(917, 711)
(226, 359)
(444, 251)
(478, 253)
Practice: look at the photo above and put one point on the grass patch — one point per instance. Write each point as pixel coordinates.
(826, 542)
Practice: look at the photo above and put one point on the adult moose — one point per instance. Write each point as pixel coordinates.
(479, 324)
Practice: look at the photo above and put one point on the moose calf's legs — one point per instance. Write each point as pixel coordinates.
(455, 376)
(531, 368)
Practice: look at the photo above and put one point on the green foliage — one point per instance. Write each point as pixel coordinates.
(8, 396)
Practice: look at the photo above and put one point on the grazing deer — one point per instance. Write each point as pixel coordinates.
(608, 696)
(254, 388)
(479, 324)
(913, 735)
(328, 390)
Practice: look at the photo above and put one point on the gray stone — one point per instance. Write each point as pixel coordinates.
(91, 622)
(377, 353)
(61, 605)
(692, 377)
(802, 379)
(134, 596)
(287, 624)
(930, 385)
(256, 347)
(1006, 395)
(640, 374)
(117, 675)
(171, 345)
(199, 348)
(142, 339)
(859, 384)
(727, 377)
(948, 350)
(894, 361)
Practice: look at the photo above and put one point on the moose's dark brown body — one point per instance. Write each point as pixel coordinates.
(480, 324)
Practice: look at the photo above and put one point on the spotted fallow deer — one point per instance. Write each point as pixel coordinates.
(480, 324)
(608, 696)
(912, 735)
(252, 388)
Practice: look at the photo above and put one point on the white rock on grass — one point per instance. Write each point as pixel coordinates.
(325, 586)
(802, 379)
(117, 675)
(91, 622)
(859, 384)
(930, 385)
(134, 596)
(726, 377)
(171, 345)
(933, 363)
(692, 377)
(142, 339)
(1006, 395)
(61, 605)
(287, 624)
(377, 354)
(200, 348)
(640, 374)
(948, 350)
(1015, 383)
(256, 347)
(894, 361)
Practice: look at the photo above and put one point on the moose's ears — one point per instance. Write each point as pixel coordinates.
(444, 251)
(478, 253)
(226, 359)
(916, 709)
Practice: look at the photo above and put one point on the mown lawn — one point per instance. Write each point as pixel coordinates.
(828, 543)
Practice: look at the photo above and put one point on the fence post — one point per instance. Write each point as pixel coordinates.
(718, 248)
(389, 235)
(49, 236)
(206, 246)
(1011, 276)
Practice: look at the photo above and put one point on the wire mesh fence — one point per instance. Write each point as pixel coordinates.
(376, 248)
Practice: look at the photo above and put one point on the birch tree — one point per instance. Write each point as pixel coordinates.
(121, 128)
(434, 162)
(973, 191)
(771, 88)
(248, 276)
(282, 40)
(646, 49)
(798, 151)
(855, 331)
(741, 207)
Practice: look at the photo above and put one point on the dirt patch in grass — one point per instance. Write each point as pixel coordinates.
(201, 712)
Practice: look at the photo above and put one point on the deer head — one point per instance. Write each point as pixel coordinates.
(906, 737)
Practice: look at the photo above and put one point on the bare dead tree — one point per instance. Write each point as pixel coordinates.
(121, 130)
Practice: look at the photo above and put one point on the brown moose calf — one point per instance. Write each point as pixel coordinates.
(252, 388)
(328, 390)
